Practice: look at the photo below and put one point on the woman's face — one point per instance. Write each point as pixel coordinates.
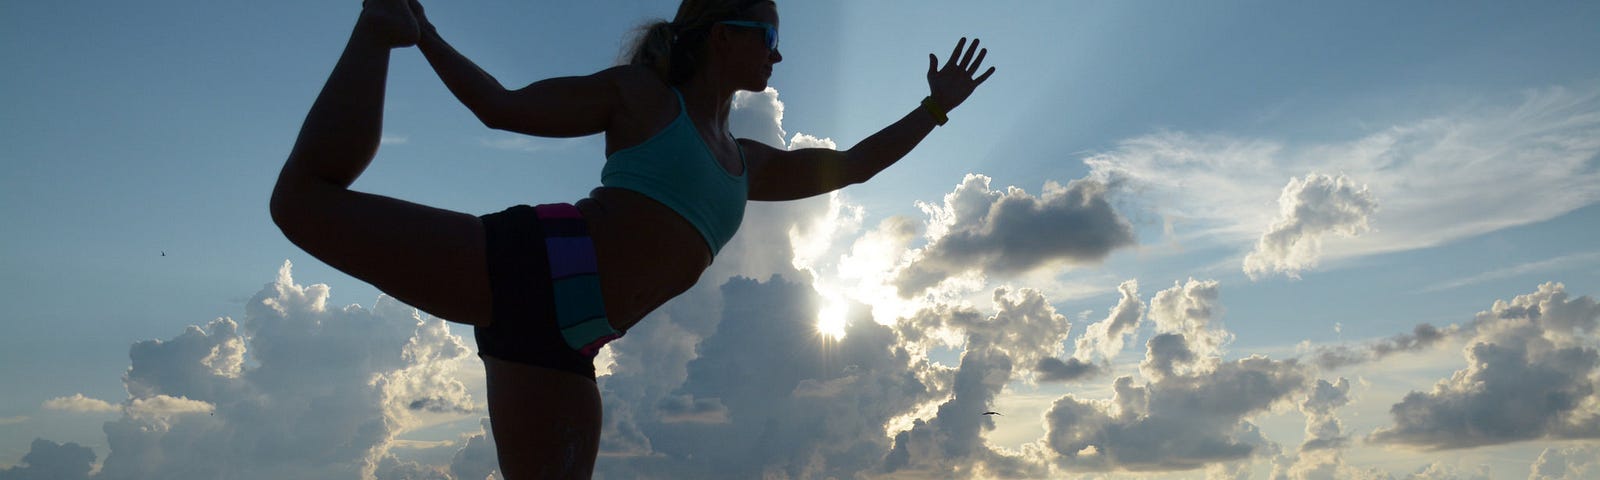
(749, 61)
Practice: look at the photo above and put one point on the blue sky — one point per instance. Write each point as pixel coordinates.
(1442, 156)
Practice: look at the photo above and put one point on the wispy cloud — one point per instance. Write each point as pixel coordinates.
(1440, 179)
(523, 143)
(13, 420)
(392, 139)
(1558, 263)
(80, 403)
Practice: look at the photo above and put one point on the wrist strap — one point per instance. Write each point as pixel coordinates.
(933, 108)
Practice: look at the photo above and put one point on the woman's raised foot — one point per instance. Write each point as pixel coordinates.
(391, 21)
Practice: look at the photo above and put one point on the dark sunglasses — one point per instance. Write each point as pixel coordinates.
(771, 31)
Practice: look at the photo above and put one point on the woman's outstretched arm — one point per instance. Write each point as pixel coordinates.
(795, 174)
(556, 107)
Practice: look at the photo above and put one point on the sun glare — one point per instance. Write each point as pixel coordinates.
(831, 318)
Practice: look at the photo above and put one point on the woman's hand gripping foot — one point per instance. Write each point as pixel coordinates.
(391, 21)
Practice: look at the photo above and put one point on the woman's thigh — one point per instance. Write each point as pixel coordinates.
(546, 422)
(429, 258)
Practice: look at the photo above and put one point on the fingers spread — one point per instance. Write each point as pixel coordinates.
(978, 62)
(985, 76)
(954, 54)
(967, 59)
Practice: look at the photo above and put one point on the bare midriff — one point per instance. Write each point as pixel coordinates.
(646, 253)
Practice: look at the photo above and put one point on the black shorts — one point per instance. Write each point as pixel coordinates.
(547, 309)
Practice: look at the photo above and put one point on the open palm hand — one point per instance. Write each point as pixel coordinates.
(954, 82)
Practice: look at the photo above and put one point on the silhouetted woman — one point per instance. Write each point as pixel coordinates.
(546, 286)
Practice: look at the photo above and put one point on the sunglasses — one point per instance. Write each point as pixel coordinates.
(771, 31)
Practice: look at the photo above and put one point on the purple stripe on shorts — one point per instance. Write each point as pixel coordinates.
(558, 210)
(570, 256)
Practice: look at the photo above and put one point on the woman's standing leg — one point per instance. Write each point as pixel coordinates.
(430, 258)
(546, 422)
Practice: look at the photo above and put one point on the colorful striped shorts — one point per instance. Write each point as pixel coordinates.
(547, 307)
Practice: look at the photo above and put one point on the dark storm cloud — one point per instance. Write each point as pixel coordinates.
(1009, 232)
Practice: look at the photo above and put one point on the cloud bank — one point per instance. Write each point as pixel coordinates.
(297, 389)
(1192, 409)
(1533, 369)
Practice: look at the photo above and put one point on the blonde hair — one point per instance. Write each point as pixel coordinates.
(672, 49)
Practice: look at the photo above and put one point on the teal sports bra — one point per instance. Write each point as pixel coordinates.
(677, 168)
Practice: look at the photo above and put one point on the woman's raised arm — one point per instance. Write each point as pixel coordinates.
(556, 107)
(778, 175)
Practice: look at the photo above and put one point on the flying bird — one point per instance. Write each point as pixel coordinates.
(993, 413)
(163, 253)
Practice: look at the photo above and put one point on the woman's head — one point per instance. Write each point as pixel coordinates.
(735, 32)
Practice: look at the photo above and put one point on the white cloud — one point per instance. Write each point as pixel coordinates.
(80, 403)
(1024, 332)
(763, 395)
(390, 139)
(1566, 463)
(1192, 410)
(1321, 455)
(1308, 210)
(1103, 339)
(162, 406)
(1441, 471)
(1441, 179)
(1557, 263)
(1533, 372)
(13, 420)
(296, 390)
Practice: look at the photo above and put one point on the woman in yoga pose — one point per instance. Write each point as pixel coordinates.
(546, 286)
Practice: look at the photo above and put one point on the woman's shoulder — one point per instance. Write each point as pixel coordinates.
(634, 78)
(640, 89)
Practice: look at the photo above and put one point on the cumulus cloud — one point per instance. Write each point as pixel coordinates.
(1533, 372)
(80, 403)
(1323, 429)
(765, 395)
(1192, 410)
(1566, 463)
(1441, 471)
(47, 460)
(1104, 339)
(994, 233)
(1309, 209)
(1321, 455)
(298, 389)
(1025, 331)
(649, 391)
(1221, 186)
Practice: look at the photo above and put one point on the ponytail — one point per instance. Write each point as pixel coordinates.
(653, 47)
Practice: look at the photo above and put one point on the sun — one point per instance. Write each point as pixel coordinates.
(831, 317)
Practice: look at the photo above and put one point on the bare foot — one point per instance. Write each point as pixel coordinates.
(392, 21)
